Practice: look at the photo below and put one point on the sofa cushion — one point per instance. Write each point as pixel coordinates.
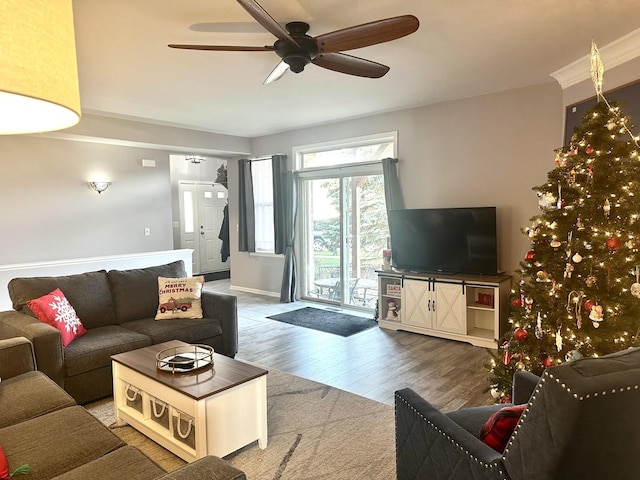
(135, 292)
(125, 462)
(94, 349)
(58, 442)
(89, 294)
(30, 395)
(187, 330)
(180, 297)
(54, 309)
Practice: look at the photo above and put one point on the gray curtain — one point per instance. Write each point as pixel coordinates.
(246, 215)
(288, 289)
(279, 171)
(392, 190)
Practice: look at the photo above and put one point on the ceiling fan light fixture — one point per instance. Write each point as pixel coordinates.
(297, 62)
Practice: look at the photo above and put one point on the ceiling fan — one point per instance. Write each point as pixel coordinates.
(297, 49)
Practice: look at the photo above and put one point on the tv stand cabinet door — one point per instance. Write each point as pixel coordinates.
(450, 308)
(418, 303)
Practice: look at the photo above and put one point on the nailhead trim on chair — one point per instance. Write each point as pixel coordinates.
(568, 390)
(486, 465)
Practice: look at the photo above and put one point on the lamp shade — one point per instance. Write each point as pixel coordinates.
(38, 69)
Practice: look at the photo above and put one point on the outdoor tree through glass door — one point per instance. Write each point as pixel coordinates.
(346, 232)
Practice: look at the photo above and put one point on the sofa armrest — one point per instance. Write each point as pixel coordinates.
(210, 467)
(524, 383)
(224, 308)
(16, 357)
(429, 445)
(45, 339)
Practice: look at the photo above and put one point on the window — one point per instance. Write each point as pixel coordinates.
(261, 173)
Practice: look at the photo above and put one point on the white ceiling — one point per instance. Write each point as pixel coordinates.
(463, 48)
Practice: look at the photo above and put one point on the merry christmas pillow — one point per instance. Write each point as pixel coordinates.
(55, 310)
(497, 431)
(179, 297)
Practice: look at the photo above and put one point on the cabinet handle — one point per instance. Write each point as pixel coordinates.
(429, 305)
(434, 305)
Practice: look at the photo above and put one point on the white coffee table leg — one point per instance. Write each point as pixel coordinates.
(262, 415)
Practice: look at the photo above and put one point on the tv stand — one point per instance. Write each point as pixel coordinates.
(467, 308)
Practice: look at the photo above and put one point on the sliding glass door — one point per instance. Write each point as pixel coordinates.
(345, 230)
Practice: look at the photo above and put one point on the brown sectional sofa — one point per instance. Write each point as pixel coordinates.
(117, 308)
(41, 425)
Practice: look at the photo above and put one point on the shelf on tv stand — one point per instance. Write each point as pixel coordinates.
(469, 308)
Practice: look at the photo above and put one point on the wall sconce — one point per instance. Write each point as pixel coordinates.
(99, 186)
(39, 76)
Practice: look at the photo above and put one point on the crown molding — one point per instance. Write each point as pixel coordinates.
(615, 53)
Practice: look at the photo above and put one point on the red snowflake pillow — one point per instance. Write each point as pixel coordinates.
(55, 310)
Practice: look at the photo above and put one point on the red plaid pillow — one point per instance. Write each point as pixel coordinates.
(55, 310)
(497, 431)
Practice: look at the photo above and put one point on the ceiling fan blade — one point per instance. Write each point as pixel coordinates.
(343, 63)
(277, 73)
(223, 48)
(266, 20)
(367, 34)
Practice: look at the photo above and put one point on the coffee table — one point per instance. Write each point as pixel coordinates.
(210, 411)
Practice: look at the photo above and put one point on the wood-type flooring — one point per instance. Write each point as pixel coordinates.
(374, 363)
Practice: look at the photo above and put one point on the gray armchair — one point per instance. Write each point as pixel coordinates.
(581, 422)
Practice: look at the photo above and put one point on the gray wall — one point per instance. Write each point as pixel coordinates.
(51, 214)
(482, 151)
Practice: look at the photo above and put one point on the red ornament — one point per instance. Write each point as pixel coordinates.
(520, 334)
(588, 305)
(588, 150)
(506, 357)
(614, 244)
(547, 362)
(530, 256)
(505, 399)
(517, 302)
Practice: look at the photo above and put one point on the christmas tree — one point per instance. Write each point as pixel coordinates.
(579, 288)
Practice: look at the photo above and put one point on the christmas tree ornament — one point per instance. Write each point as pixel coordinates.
(596, 315)
(506, 357)
(588, 305)
(568, 270)
(588, 150)
(538, 332)
(528, 304)
(577, 258)
(572, 355)
(579, 223)
(561, 159)
(558, 340)
(542, 276)
(555, 244)
(559, 202)
(505, 398)
(547, 362)
(495, 393)
(530, 256)
(521, 334)
(606, 208)
(635, 287)
(611, 125)
(571, 178)
(613, 244)
(517, 302)
(520, 365)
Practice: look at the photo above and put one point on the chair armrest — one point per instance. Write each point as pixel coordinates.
(224, 308)
(429, 445)
(210, 467)
(16, 357)
(46, 341)
(524, 383)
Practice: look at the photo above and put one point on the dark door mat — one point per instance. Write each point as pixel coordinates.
(326, 321)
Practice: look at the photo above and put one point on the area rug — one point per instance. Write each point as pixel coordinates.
(315, 432)
(326, 321)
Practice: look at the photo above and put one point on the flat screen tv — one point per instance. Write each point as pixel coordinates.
(445, 240)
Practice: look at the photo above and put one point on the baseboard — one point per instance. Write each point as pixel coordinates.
(253, 290)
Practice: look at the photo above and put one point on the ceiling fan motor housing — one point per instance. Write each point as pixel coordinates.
(297, 56)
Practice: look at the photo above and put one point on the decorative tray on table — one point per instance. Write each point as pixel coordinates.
(185, 358)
